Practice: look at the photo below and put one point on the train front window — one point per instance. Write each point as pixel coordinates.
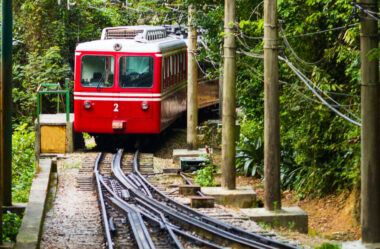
(136, 72)
(97, 71)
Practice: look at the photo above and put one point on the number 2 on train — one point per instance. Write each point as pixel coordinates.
(116, 107)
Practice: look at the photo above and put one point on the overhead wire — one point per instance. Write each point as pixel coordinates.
(323, 31)
(259, 76)
(370, 13)
(305, 80)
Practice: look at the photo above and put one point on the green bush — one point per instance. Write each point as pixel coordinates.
(23, 162)
(205, 177)
(250, 149)
(11, 224)
(328, 246)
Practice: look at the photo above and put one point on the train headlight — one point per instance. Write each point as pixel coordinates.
(144, 106)
(87, 105)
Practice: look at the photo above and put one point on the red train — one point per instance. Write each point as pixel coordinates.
(133, 81)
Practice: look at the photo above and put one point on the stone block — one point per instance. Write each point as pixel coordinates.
(360, 245)
(191, 164)
(290, 217)
(189, 189)
(202, 202)
(188, 153)
(171, 170)
(241, 197)
(7, 245)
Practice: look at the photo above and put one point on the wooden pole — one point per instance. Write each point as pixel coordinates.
(5, 108)
(370, 146)
(6, 102)
(229, 99)
(272, 193)
(192, 85)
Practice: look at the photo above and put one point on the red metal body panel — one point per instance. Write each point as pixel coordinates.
(173, 104)
(115, 103)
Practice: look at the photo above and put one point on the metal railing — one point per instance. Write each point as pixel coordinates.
(54, 88)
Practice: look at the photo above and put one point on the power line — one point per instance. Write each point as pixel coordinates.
(300, 76)
(305, 80)
(366, 11)
(324, 31)
(293, 52)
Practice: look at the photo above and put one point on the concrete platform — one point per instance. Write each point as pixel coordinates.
(30, 231)
(241, 197)
(7, 245)
(359, 245)
(188, 153)
(290, 217)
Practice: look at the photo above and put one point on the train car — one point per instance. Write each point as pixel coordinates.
(133, 81)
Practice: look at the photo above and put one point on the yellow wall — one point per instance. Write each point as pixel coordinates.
(53, 139)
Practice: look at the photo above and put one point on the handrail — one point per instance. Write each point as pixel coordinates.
(46, 88)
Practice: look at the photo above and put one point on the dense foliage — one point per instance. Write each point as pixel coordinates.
(11, 224)
(320, 150)
(23, 164)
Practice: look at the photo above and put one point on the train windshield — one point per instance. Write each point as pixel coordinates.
(136, 72)
(97, 71)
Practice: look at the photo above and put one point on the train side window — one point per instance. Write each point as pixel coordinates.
(180, 65)
(167, 72)
(163, 73)
(178, 68)
(136, 72)
(175, 68)
(97, 71)
(184, 66)
(171, 71)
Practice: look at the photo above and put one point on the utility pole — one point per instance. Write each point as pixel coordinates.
(370, 144)
(6, 102)
(229, 99)
(272, 193)
(5, 108)
(192, 85)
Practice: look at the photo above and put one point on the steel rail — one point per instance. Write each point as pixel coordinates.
(126, 206)
(140, 231)
(143, 239)
(211, 221)
(149, 202)
(188, 182)
(123, 206)
(119, 174)
(102, 203)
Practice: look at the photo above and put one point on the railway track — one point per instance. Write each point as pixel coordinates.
(137, 215)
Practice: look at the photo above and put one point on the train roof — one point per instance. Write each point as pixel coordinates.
(134, 39)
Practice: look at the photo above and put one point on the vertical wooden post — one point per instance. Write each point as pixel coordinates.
(271, 109)
(192, 84)
(370, 146)
(6, 102)
(5, 108)
(229, 99)
(220, 94)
